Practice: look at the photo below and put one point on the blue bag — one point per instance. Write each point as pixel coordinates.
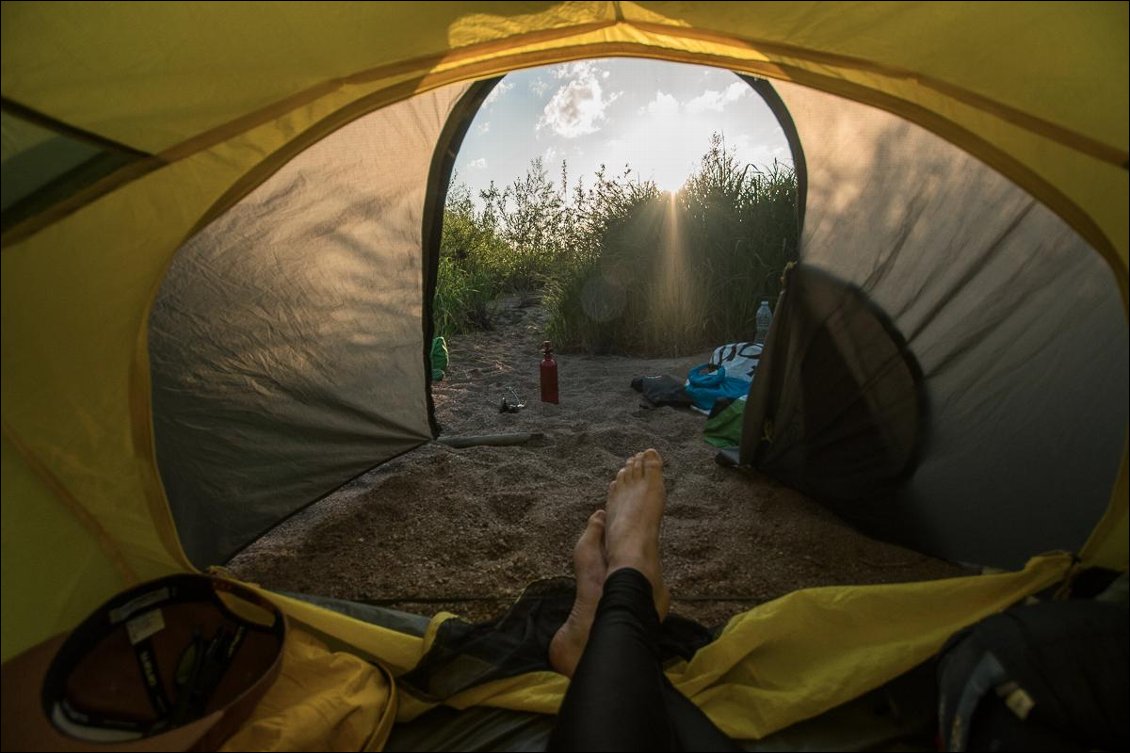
(704, 386)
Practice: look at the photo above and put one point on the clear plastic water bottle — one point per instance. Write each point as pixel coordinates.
(764, 319)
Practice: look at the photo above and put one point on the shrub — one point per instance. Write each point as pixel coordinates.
(464, 299)
(675, 274)
(624, 267)
(473, 267)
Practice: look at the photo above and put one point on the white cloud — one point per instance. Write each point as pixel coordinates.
(539, 87)
(484, 127)
(578, 69)
(578, 107)
(551, 156)
(666, 105)
(712, 99)
(759, 153)
(741, 142)
(663, 104)
(501, 88)
(478, 164)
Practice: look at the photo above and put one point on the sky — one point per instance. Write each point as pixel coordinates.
(655, 116)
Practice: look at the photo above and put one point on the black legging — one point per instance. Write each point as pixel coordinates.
(619, 698)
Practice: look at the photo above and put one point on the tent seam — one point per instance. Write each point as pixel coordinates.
(71, 503)
(1062, 134)
(940, 125)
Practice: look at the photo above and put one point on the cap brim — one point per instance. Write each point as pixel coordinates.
(24, 724)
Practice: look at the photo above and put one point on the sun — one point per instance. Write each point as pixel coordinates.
(661, 145)
(670, 177)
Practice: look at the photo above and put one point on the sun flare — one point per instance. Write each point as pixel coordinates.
(660, 145)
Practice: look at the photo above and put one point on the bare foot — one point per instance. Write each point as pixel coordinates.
(588, 562)
(635, 509)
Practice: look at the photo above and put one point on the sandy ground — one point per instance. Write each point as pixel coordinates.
(464, 530)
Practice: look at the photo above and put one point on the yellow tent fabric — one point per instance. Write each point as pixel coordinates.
(802, 654)
(180, 86)
(320, 701)
(216, 96)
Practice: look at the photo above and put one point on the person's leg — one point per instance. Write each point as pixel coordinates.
(615, 700)
(591, 569)
(619, 698)
(636, 499)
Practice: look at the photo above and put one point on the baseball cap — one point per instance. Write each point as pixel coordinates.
(174, 664)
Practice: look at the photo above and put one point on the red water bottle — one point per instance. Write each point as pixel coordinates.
(548, 375)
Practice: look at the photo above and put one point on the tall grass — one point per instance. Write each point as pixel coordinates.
(465, 298)
(514, 242)
(472, 269)
(675, 274)
(623, 266)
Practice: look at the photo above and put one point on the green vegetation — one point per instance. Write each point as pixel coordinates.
(472, 267)
(622, 266)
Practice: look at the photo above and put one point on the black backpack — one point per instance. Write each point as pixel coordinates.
(1046, 676)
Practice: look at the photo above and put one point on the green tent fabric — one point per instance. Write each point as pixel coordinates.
(963, 178)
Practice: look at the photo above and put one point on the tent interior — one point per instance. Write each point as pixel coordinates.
(210, 320)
